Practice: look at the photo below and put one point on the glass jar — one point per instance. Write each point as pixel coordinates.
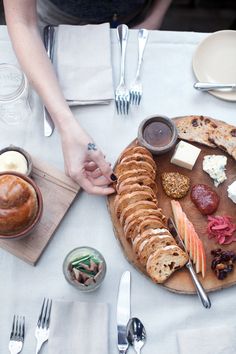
(75, 259)
(14, 104)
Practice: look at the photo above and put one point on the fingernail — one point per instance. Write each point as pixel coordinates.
(113, 177)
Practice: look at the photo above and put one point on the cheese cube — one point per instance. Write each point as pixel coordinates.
(185, 155)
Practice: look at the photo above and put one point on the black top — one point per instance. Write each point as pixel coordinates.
(97, 11)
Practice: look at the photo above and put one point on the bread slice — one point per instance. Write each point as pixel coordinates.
(151, 223)
(150, 245)
(196, 128)
(135, 165)
(139, 157)
(164, 261)
(133, 220)
(146, 235)
(134, 173)
(134, 150)
(225, 138)
(139, 178)
(131, 208)
(122, 201)
(134, 188)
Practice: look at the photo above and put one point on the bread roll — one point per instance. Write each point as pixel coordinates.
(18, 204)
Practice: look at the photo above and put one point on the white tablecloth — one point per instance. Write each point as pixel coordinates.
(167, 80)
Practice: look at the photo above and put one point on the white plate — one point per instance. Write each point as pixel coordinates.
(215, 61)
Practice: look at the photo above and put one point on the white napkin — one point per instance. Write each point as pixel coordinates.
(83, 63)
(78, 328)
(210, 340)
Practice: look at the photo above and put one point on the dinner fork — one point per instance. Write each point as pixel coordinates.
(122, 98)
(42, 328)
(136, 90)
(17, 334)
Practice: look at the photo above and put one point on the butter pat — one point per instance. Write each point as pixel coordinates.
(185, 155)
(232, 191)
(13, 161)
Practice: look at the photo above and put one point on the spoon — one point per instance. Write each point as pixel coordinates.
(136, 334)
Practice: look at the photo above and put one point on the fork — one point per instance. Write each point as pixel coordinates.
(42, 328)
(136, 90)
(122, 97)
(17, 334)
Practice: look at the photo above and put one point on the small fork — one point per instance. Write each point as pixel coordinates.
(17, 334)
(136, 90)
(122, 97)
(42, 328)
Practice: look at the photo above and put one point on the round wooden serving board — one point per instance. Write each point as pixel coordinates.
(180, 281)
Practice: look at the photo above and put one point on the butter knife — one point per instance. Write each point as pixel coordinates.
(199, 288)
(48, 43)
(207, 86)
(123, 312)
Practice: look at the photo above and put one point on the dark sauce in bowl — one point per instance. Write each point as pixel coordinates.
(157, 134)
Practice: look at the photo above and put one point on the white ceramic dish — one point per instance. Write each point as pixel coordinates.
(215, 61)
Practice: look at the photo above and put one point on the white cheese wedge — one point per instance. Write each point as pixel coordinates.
(214, 165)
(13, 161)
(232, 191)
(185, 155)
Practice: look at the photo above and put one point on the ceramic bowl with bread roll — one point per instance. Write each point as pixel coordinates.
(21, 205)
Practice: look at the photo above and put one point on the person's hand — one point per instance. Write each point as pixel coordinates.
(85, 162)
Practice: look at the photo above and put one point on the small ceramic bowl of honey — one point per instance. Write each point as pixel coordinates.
(158, 134)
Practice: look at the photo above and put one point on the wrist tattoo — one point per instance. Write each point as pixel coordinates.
(92, 146)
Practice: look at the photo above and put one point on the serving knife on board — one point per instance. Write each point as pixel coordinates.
(123, 312)
(199, 288)
(49, 32)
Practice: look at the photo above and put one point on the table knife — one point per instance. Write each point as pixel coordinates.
(123, 312)
(207, 86)
(199, 288)
(48, 42)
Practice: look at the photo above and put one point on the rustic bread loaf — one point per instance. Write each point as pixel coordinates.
(164, 261)
(225, 138)
(18, 204)
(196, 128)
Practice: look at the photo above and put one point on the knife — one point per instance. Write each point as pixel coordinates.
(199, 288)
(123, 312)
(48, 43)
(207, 86)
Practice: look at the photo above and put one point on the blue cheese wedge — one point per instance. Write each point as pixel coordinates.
(215, 165)
(232, 191)
(185, 155)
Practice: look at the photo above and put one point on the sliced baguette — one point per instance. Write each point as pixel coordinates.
(150, 245)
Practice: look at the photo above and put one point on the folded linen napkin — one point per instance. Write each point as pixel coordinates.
(83, 63)
(78, 328)
(217, 340)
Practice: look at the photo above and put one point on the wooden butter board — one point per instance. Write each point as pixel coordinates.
(180, 281)
(58, 192)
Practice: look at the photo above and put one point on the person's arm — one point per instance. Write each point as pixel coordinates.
(86, 166)
(155, 15)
